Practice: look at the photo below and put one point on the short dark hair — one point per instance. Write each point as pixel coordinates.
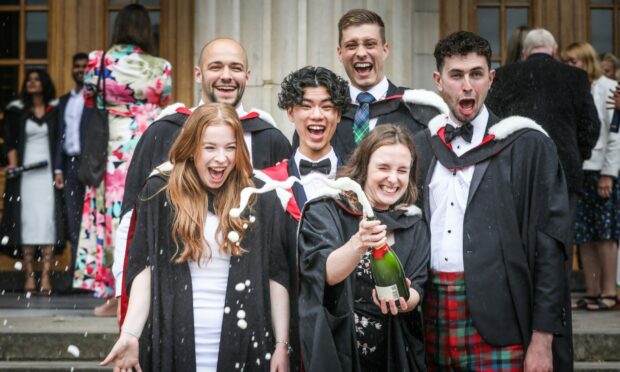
(79, 55)
(47, 87)
(462, 43)
(293, 86)
(358, 17)
(133, 26)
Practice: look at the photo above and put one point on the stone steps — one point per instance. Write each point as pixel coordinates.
(597, 366)
(74, 366)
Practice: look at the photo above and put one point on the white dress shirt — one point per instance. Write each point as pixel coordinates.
(448, 194)
(247, 136)
(73, 116)
(314, 188)
(379, 91)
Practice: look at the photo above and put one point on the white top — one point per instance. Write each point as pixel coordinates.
(247, 136)
(606, 153)
(314, 188)
(73, 116)
(379, 91)
(209, 282)
(449, 191)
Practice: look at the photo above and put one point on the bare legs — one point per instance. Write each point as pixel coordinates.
(30, 285)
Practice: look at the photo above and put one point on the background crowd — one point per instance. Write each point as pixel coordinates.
(48, 206)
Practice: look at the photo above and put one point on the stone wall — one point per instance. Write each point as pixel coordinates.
(283, 35)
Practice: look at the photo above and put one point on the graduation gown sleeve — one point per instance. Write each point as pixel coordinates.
(326, 323)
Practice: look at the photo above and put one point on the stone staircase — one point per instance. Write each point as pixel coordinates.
(36, 332)
(57, 333)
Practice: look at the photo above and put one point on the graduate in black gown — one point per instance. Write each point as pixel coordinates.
(343, 326)
(176, 239)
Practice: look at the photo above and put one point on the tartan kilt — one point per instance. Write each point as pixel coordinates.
(452, 341)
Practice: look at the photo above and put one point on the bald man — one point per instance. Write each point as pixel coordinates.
(222, 72)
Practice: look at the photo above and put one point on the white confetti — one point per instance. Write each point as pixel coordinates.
(241, 323)
(28, 294)
(5, 322)
(252, 219)
(239, 287)
(5, 240)
(255, 344)
(227, 310)
(18, 265)
(268, 356)
(245, 226)
(247, 283)
(233, 236)
(258, 361)
(241, 314)
(73, 350)
(237, 365)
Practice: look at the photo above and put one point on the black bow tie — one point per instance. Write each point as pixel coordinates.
(305, 167)
(466, 131)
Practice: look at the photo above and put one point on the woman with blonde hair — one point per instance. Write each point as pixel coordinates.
(597, 225)
(206, 291)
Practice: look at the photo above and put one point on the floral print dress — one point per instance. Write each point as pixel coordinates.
(137, 85)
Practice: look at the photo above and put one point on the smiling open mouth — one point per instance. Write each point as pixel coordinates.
(389, 189)
(466, 106)
(217, 173)
(316, 130)
(363, 67)
(226, 88)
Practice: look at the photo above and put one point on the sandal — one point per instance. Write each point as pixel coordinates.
(601, 305)
(583, 302)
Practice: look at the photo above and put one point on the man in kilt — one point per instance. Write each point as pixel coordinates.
(496, 200)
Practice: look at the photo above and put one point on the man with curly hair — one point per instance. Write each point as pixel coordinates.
(314, 98)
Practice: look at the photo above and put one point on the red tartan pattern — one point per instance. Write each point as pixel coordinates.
(452, 341)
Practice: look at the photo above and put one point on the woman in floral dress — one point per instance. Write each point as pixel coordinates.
(137, 84)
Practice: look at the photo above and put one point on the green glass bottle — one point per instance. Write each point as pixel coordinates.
(388, 273)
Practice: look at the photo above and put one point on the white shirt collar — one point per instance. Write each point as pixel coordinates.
(379, 91)
(240, 111)
(75, 93)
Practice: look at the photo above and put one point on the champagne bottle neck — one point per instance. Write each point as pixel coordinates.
(378, 253)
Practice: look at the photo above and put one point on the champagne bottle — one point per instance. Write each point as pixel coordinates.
(388, 273)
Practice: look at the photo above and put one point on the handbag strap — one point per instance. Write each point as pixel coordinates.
(101, 73)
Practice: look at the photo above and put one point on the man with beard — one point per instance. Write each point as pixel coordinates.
(496, 200)
(72, 121)
(222, 72)
(375, 100)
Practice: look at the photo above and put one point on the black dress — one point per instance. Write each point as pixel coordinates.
(341, 328)
(167, 341)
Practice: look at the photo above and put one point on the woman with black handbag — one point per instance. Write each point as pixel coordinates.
(32, 221)
(132, 88)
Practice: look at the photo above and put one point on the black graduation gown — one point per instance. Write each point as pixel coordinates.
(167, 342)
(269, 146)
(15, 139)
(515, 234)
(326, 312)
(414, 117)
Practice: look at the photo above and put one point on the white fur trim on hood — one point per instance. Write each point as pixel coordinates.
(170, 109)
(512, 124)
(265, 116)
(412, 210)
(163, 168)
(283, 195)
(437, 122)
(16, 103)
(500, 130)
(425, 97)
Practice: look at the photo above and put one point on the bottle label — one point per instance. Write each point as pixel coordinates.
(387, 293)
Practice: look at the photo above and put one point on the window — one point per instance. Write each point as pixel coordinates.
(604, 28)
(496, 20)
(24, 43)
(152, 6)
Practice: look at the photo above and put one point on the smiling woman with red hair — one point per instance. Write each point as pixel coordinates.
(195, 274)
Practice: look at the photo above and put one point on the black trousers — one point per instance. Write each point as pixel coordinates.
(74, 199)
